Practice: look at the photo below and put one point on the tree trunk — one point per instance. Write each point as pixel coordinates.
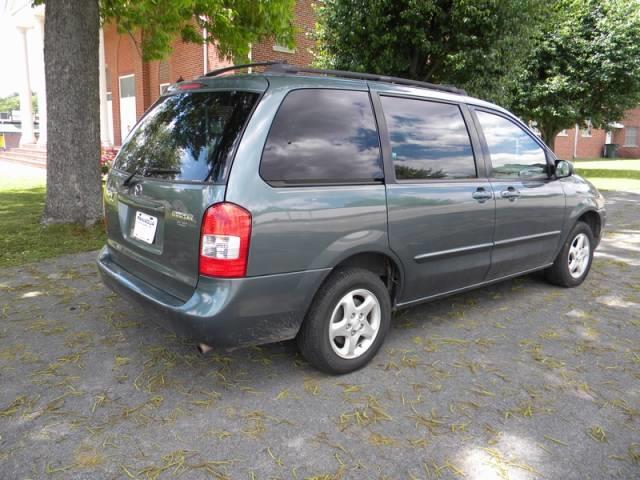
(549, 136)
(74, 184)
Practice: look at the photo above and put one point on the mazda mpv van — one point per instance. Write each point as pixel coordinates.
(295, 203)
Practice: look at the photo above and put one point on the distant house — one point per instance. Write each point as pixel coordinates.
(590, 142)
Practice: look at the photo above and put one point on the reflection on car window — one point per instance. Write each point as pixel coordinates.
(193, 132)
(323, 136)
(428, 139)
(514, 154)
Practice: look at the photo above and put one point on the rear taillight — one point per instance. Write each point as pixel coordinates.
(224, 241)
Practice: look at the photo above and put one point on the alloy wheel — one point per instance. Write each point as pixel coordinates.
(355, 323)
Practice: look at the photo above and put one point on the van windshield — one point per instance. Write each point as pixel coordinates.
(189, 136)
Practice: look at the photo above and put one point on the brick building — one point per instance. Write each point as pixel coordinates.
(133, 85)
(627, 137)
(590, 142)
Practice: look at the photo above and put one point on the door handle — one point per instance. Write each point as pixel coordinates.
(482, 195)
(510, 193)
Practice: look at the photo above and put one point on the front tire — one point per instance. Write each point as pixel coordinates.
(573, 263)
(347, 321)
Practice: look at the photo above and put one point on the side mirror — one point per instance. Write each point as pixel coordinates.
(563, 169)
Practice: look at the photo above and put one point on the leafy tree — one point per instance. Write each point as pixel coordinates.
(585, 64)
(476, 44)
(233, 25)
(71, 73)
(12, 102)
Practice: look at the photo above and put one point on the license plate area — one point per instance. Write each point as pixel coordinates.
(144, 227)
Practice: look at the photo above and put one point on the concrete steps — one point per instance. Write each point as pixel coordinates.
(33, 155)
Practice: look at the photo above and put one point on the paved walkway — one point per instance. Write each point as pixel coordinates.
(19, 175)
(521, 380)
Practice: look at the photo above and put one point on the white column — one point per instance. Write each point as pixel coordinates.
(104, 119)
(26, 111)
(205, 50)
(42, 92)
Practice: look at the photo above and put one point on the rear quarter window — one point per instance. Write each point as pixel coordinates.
(323, 136)
(194, 133)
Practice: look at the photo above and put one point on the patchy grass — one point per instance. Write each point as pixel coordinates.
(603, 173)
(611, 174)
(23, 239)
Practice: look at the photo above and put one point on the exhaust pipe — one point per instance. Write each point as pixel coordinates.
(204, 348)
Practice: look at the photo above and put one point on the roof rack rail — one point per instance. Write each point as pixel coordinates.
(286, 68)
(293, 69)
(214, 73)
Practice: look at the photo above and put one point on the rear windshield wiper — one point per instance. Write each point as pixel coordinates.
(130, 177)
(146, 172)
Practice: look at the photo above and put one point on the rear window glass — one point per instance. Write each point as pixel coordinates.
(193, 133)
(323, 136)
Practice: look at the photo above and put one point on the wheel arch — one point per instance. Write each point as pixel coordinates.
(384, 264)
(592, 218)
(588, 215)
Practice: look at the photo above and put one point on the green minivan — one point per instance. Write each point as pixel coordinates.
(298, 203)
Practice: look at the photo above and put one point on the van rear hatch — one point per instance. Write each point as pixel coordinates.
(173, 165)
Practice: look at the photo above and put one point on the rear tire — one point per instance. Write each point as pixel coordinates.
(347, 322)
(573, 263)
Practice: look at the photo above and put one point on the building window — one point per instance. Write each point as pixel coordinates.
(282, 48)
(631, 137)
(163, 73)
(163, 88)
(107, 75)
(563, 133)
(586, 132)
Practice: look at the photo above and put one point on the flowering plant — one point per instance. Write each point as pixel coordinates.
(107, 154)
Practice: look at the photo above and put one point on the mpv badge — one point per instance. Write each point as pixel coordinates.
(137, 190)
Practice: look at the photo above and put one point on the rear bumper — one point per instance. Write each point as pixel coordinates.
(223, 312)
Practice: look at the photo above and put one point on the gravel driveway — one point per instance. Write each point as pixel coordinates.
(519, 380)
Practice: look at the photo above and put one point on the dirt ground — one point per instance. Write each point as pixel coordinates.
(520, 380)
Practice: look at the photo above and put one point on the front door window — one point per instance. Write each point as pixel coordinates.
(514, 153)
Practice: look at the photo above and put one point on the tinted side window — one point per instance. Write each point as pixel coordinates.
(428, 139)
(513, 152)
(323, 136)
